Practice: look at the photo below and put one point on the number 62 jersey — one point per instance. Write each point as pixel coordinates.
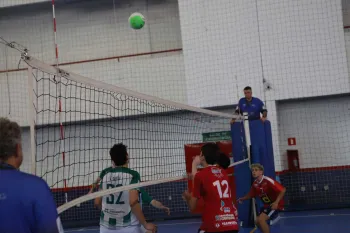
(219, 213)
(116, 211)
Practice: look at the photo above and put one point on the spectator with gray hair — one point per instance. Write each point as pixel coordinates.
(26, 202)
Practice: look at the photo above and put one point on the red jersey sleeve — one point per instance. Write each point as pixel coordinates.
(197, 183)
(277, 187)
(252, 192)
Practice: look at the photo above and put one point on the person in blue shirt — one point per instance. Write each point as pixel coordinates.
(252, 105)
(26, 202)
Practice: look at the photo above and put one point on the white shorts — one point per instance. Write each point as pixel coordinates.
(130, 229)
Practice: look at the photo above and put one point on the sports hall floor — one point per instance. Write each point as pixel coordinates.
(326, 221)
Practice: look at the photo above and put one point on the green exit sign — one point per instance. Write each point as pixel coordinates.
(216, 136)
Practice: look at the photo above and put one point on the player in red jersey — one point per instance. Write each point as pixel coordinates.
(211, 184)
(270, 192)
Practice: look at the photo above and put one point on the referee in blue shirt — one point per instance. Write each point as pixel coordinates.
(252, 105)
(26, 202)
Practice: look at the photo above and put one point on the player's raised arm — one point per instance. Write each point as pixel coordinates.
(98, 200)
(191, 200)
(95, 185)
(98, 186)
(196, 161)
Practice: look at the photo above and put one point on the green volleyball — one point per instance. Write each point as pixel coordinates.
(136, 20)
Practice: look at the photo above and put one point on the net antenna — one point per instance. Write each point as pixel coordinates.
(97, 115)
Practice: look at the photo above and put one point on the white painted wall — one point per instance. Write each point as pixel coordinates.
(131, 74)
(346, 12)
(347, 45)
(321, 128)
(95, 29)
(91, 29)
(14, 96)
(11, 3)
(303, 48)
(156, 143)
(220, 42)
(304, 53)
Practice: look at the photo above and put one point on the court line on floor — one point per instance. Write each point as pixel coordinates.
(189, 223)
(81, 229)
(314, 215)
(160, 224)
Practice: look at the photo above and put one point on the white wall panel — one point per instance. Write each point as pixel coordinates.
(88, 30)
(321, 128)
(303, 48)
(220, 42)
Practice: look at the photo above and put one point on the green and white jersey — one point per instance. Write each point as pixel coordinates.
(116, 210)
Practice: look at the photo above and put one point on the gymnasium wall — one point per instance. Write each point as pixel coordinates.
(148, 60)
(205, 59)
(13, 3)
(304, 54)
(296, 46)
(220, 55)
(221, 50)
(317, 188)
(321, 128)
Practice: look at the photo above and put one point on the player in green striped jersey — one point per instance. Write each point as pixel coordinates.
(145, 197)
(121, 212)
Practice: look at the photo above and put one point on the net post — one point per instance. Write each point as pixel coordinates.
(248, 145)
(247, 135)
(31, 120)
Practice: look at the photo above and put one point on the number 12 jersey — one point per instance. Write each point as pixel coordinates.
(219, 213)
